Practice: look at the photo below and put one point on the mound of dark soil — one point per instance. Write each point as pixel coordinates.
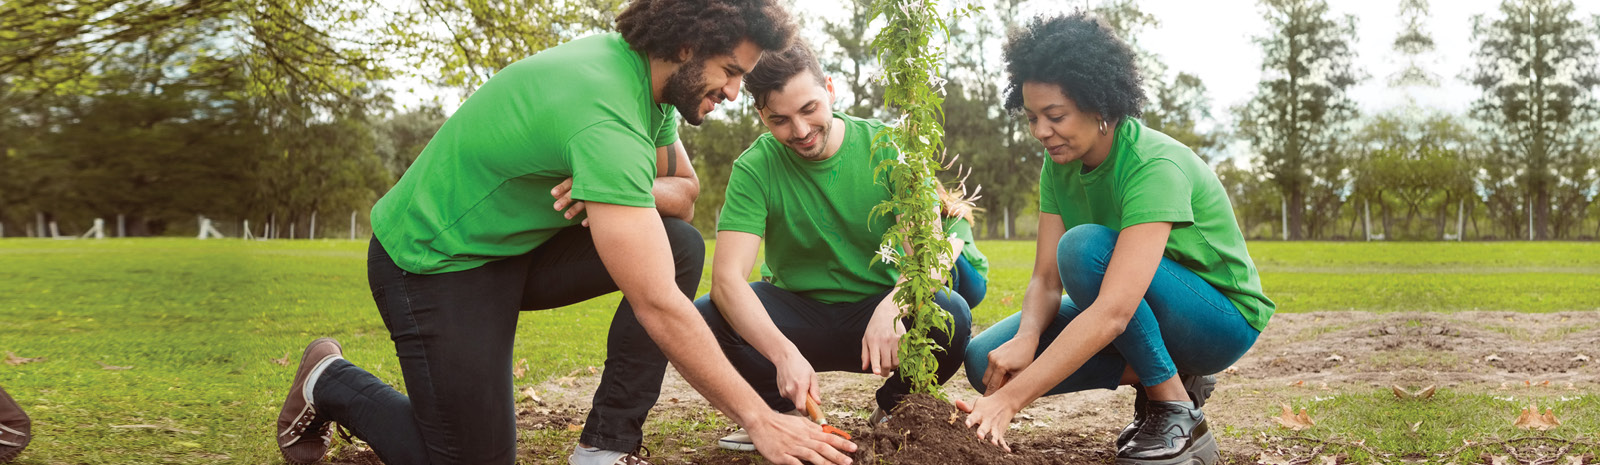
(925, 430)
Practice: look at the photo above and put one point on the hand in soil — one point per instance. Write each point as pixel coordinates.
(789, 440)
(989, 417)
(880, 345)
(1008, 360)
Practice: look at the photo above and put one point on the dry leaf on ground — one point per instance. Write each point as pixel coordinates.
(532, 395)
(1424, 393)
(282, 361)
(520, 369)
(1232, 369)
(1532, 419)
(112, 367)
(1294, 421)
(13, 360)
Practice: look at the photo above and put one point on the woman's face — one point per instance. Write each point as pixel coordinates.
(1055, 120)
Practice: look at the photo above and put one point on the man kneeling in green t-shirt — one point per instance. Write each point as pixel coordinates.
(808, 188)
(485, 224)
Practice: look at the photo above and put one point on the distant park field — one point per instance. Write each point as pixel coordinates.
(169, 350)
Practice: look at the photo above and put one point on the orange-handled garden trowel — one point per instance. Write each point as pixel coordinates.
(815, 412)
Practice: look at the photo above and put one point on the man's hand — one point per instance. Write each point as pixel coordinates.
(797, 380)
(564, 202)
(880, 346)
(788, 440)
(1006, 361)
(990, 415)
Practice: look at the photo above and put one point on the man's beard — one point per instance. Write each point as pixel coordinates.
(821, 143)
(683, 90)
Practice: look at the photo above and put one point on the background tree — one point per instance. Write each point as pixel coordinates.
(1536, 66)
(1300, 115)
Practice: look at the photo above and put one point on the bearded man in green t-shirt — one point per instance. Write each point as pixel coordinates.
(468, 238)
(808, 188)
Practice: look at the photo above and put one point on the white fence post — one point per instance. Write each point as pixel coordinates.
(98, 231)
(311, 232)
(352, 225)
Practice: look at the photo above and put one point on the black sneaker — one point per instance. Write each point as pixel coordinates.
(1171, 434)
(1140, 400)
(1198, 387)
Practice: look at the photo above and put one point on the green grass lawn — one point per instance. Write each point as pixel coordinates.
(199, 323)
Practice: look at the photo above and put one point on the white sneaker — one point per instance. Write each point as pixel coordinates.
(740, 439)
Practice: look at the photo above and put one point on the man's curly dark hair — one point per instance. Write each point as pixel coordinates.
(664, 28)
(1078, 52)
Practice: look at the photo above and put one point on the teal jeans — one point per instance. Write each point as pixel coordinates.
(1183, 325)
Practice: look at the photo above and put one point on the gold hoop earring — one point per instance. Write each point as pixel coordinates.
(1102, 126)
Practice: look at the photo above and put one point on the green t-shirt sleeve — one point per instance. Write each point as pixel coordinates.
(960, 228)
(667, 133)
(1157, 192)
(612, 164)
(744, 205)
(1047, 189)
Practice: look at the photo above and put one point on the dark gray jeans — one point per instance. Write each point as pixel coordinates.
(453, 333)
(829, 337)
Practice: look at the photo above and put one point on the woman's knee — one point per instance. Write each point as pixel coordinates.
(1085, 243)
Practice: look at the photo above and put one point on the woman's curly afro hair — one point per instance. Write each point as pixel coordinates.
(664, 28)
(1079, 53)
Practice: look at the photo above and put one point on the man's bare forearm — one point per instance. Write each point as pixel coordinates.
(632, 245)
(675, 197)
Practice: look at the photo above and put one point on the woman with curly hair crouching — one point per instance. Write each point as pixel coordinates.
(1160, 291)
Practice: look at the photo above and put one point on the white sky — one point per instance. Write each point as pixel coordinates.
(1212, 39)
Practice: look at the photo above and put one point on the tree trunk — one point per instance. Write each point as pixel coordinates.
(1541, 214)
(1443, 208)
(1297, 215)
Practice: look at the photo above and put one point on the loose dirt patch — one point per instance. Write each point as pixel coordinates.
(1324, 351)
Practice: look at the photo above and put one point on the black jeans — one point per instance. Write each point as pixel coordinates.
(829, 337)
(453, 333)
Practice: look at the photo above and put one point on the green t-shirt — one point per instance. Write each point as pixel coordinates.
(1151, 178)
(961, 229)
(480, 190)
(814, 216)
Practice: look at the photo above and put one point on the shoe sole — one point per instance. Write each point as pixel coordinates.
(738, 446)
(1202, 452)
(1200, 388)
(304, 357)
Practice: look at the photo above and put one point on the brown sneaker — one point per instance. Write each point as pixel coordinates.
(14, 428)
(303, 438)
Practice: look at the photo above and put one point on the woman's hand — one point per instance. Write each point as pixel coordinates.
(989, 416)
(1008, 360)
